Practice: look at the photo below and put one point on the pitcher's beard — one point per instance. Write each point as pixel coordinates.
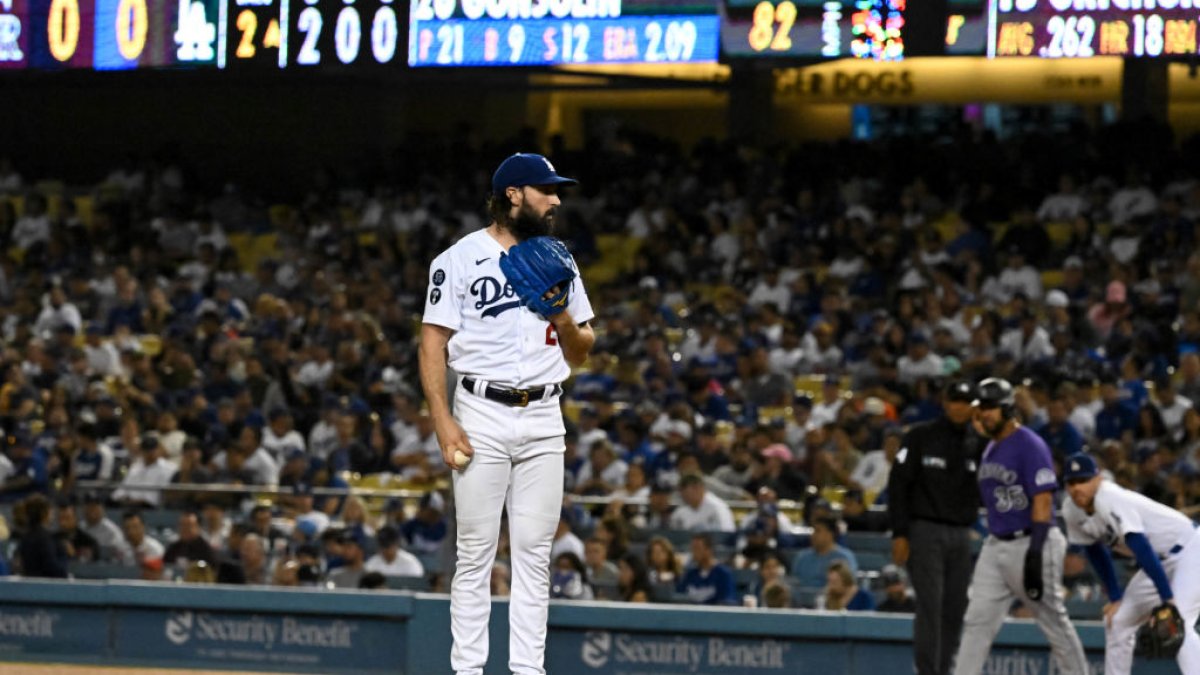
(527, 225)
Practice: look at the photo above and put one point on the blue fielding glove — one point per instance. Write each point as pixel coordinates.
(534, 268)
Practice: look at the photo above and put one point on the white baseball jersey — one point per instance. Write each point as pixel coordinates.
(495, 339)
(1117, 512)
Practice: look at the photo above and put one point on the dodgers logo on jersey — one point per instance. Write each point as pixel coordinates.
(490, 291)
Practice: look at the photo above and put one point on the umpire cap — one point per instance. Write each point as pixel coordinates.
(526, 168)
(962, 391)
(995, 392)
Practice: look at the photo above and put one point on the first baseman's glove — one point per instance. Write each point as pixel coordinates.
(1162, 634)
(535, 267)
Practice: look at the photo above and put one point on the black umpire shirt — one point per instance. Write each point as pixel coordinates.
(933, 477)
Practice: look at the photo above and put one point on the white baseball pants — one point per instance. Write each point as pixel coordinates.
(518, 466)
(999, 578)
(1141, 596)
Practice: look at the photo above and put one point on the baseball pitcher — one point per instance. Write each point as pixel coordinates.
(507, 311)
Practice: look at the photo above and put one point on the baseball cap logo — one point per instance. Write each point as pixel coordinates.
(549, 165)
(1075, 465)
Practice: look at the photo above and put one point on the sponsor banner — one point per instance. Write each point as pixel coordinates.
(262, 641)
(26, 629)
(622, 653)
(605, 652)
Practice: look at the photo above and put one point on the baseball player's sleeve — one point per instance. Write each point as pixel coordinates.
(1149, 562)
(1039, 468)
(579, 305)
(1102, 562)
(444, 297)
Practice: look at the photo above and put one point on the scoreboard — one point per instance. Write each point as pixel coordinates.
(296, 35)
(125, 34)
(1084, 28)
(550, 32)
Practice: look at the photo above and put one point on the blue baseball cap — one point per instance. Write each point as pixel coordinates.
(1080, 467)
(526, 168)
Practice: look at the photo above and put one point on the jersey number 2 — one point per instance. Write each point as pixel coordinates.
(551, 338)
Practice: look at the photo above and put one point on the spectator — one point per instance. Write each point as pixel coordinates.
(660, 513)
(391, 560)
(148, 473)
(280, 437)
(661, 562)
(776, 595)
(426, 531)
(700, 511)
(603, 472)
(858, 517)
(28, 473)
(842, 591)
(633, 580)
(1058, 432)
(351, 571)
(614, 532)
(810, 566)
(214, 525)
(601, 573)
(569, 579)
(566, 541)
(252, 565)
(39, 553)
(778, 473)
(772, 570)
(98, 526)
(706, 581)
(138, 549)
(94, 460)
(80, 545)
(372, 581)
(260, 523)
(897, 596)
(189, 545)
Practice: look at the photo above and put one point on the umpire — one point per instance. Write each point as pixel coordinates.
(933, 499)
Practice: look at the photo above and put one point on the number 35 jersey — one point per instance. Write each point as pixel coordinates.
(1011, 472)
(495, 338)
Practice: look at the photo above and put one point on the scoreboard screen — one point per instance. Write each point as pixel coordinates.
(124, 34)
(552, 32)
(832, 29)
(814, 28)
(1084, 28)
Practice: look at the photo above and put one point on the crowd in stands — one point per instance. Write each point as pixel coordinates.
(769, 320)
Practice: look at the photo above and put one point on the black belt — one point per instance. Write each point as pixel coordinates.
(518, 398)
(1009, 536)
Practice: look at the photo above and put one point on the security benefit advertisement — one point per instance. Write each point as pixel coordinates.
(272, 641)
(611, 652)
(28, 630)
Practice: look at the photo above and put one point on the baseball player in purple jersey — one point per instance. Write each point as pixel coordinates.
(1023, 554)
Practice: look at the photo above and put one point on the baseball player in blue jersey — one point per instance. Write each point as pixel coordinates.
(1023, 554)
(1166, 544)
(507, 311)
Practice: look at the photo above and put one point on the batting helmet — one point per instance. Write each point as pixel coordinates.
(995, 392)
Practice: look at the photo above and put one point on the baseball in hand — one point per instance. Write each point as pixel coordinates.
(461, 459)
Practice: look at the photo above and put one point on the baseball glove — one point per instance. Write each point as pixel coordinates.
(540, 272)
(1162, 634)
